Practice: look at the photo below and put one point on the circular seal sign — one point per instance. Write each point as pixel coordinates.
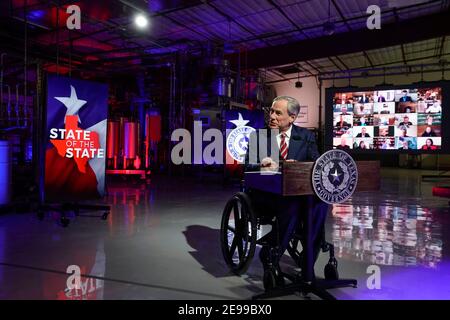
(237, 142)
(334, 176)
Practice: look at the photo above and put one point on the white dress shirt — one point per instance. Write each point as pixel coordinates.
(286, 139)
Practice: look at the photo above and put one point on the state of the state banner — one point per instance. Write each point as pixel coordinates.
(75, 139)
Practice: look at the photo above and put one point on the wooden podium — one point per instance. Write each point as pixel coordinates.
(294, 179)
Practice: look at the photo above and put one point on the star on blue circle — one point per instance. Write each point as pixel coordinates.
(244, 143)
(336, 176)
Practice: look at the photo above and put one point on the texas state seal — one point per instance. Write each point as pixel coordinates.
(334, 176)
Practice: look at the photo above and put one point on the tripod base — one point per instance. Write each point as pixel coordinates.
(317, 287)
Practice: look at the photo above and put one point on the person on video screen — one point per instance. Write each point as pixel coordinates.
(344, 111)
(343, 145)
(385, 109)
(362, 145)
(363, 133)
(381, 98)
(386, 145)
(435, 107)
(429, 132)
(363, 99)
(341, 123)
(405, 123)
(362, 121)
(405, 97)
(404, 132)
(383, 131)
(429, 145)
(405, 145)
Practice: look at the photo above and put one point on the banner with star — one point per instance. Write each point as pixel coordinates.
(75, 139)
(239, 124)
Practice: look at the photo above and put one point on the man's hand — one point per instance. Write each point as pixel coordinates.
(267, 164)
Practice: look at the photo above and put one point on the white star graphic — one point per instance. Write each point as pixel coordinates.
(244, 144)
(72, 103)
(239, 122)
(335, 175)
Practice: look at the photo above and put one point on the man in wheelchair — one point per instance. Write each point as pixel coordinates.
(293, 143)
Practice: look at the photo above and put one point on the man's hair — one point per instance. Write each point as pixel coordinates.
(293, 107)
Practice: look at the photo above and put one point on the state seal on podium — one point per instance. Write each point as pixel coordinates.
(334, 176)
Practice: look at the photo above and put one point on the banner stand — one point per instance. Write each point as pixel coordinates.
(65, 206)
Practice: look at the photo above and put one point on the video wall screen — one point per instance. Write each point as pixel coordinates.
(400, 119)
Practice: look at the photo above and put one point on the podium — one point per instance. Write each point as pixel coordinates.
(294, 179)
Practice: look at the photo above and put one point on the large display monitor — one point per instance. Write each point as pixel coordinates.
(399, 119)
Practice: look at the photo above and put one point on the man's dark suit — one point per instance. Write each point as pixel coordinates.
(363, 100)
(360, 135)
(405, 99)
(302, 147)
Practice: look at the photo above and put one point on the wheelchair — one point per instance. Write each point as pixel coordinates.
(241, 221)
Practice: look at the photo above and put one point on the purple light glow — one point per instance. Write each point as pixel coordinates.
(415, 283)
(36, 14)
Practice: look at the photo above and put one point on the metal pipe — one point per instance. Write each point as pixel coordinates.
(8, 106)
(38, 129)
(17, 105)
(57, 38)
(1, 78)
(25, 59)
(402, 67)
(381, 75)
(320, 137)
(133, 6)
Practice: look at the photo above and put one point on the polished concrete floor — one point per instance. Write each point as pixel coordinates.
(161, 241)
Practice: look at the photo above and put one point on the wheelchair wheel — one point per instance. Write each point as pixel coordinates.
(238, 233)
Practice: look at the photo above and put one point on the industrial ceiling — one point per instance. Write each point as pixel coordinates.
(281, 37)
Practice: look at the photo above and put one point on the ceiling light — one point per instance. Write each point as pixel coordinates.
(141, 21)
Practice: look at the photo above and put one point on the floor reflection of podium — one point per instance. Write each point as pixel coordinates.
(294, 179)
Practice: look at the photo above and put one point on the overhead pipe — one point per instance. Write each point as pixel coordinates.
(405, 69)
(330, 75)
(389, 74)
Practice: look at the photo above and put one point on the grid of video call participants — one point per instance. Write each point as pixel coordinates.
(398, 119)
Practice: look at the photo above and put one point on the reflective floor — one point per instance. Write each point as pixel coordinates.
(161, 241)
